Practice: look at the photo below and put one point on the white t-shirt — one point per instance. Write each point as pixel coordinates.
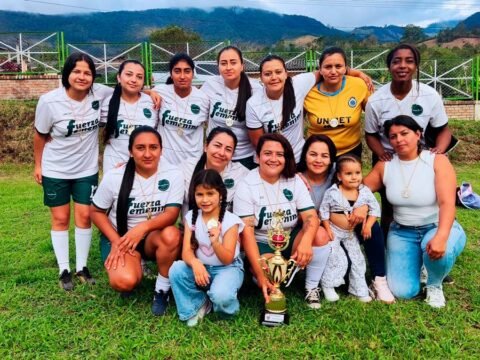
(424, 106)
(223, 101)
(130, 116)
(232, 175)
(258, 198)
(265, 113)
(205, 252)
(157, 192)
(181, 123)
(72, 125)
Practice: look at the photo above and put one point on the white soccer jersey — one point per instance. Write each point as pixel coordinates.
(258, 198)
(161, 190)
(425, 106)
(205, 252)
(223, 101)
(181, 123)
(265, 113)
(72, 125)
(231, 175)
(130, 116)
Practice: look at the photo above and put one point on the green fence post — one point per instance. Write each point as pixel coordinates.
(477, 79)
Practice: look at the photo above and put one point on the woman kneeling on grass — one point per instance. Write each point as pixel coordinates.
(211, 270)
(420, 185)
(135, 208)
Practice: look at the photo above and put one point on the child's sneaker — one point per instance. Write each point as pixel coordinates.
(364, 299)
(330, 294)
(435, 297)
(381, 290)
(313, 298)
(204, 310)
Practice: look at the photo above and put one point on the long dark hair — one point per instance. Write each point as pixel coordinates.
(213, 133)
(332, 151)
(347, 158)
(70, 64)
(408, 122)
(288, 92)
(210, 179)
(114, 104)
(128, 178)
(416, 57)
(174, 60)
(290, 169)
(244, 88)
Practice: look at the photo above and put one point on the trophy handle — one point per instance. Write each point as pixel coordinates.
(291, 265)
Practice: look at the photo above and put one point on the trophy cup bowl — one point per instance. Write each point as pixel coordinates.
(277, 270)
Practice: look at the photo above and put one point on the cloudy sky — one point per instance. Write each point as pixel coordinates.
(342, 14)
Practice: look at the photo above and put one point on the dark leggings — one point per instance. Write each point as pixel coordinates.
(374, 249)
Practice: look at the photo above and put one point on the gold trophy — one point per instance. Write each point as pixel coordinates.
(277, 270)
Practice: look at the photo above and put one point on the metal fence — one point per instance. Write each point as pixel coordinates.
(45, 53)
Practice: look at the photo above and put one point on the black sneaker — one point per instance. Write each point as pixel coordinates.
(313, 298)
(448, 280)
(65, 281)
(84, 276)
(160, 302)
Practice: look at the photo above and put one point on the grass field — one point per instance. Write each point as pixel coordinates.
(39, 320)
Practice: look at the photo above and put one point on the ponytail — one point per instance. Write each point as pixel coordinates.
(244, 93)
(113, 107)
(122, 202)
(288, 102)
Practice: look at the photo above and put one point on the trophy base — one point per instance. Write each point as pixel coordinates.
(268, 318)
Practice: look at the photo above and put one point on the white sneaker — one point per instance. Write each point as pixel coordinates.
(435, 297)
(204, 310)
(330, 294)
(313, 298)
(381, 290)
(364, 299)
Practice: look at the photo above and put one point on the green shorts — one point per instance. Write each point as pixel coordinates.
(57, 192)
(106, 247)
(266, 249)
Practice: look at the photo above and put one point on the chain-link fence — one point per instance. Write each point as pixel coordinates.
(44, 53)
(31, 53)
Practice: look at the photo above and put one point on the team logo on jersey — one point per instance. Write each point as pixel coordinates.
(147, 113)
(352, 102)
(229, 183)
(163, 185)
(417, 109)
(288, 194)
(95, 105)
(195, 109)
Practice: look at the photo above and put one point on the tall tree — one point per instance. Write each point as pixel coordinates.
(413, 34)
(173, 34)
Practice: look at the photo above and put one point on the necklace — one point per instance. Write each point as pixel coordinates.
(130, 119)
(149, 203)
(180, 129)
(278, 213)
(333, 120)
(76, 115)
(406, 190)
(229, 119)
(275, 117)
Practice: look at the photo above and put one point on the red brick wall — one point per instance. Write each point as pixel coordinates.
(461, 110)
(26, 87)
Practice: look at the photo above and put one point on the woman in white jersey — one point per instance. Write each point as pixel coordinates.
(66, 159)
(127, 109)
(421, 185)
(228, 94)
(218, 151)
(273, 189)
(183, 114)
(135, 208)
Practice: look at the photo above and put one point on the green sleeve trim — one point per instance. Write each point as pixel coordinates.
(307, 208)
(173, 205)
(244, 216)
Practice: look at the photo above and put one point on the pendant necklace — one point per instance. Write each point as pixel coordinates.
(406, 190)
(180, 130)
(149, 203)
(229, 120)
(130, 119)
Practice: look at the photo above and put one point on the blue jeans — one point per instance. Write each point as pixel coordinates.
(225, 281)
(406, 252)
